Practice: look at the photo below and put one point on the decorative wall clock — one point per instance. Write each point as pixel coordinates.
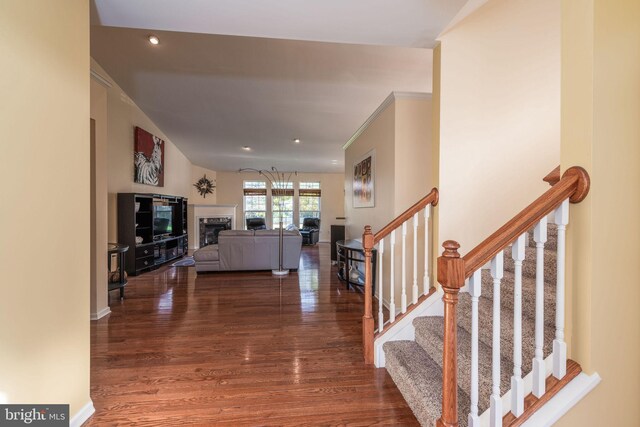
(204, 186)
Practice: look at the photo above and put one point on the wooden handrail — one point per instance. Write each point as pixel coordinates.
(369, 240)
(573, 184)
(431, 198)
(453, 270)
(553, 177)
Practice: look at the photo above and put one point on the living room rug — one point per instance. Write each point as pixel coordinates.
(187, 261)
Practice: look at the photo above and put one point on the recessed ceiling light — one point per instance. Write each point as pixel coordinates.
(297, 140)
(246, 148)
(154, 40)
(334, 161)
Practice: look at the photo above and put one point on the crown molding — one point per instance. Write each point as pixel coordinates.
(388, 101)
(100, 79)
(468, 9)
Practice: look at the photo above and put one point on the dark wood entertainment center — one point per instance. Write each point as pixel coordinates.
(163, 239)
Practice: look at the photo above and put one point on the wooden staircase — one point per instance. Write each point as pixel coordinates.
(496, 326)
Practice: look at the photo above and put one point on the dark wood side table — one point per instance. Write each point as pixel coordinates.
(337, 233)
(120, 250)
(350, 254)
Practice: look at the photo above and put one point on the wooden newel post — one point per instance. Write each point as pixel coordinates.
(367, 319)
(451, 277)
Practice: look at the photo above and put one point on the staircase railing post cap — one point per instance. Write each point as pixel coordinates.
(367, 239)
(451, 249)
(584, 182)
(451, 267)
(436, 196)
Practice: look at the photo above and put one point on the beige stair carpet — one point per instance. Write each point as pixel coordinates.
(416, 366)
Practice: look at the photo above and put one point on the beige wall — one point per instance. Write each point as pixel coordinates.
(45, 187)
(230, 192)
(401, 135)
(412, 159)
(435, 163)
(379, 135)
(99, 218)
(499, 115)
(195, 198)
(601, 131)
(123, 115)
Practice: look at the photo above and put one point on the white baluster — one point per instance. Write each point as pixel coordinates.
(403, 300)
(392, 280)
(517, 383)
(539, 371)
(380, 285)
(425, 279)
(497, 271)
(475, 283)
(414, 291)
(559, 346)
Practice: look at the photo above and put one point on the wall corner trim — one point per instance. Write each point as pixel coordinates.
(82, 415)
(388, 100)
(100, 79)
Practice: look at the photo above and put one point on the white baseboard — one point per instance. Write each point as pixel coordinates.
(403, 329)
(385, 304)
(100, 314)
(564, 400)
(82, 415)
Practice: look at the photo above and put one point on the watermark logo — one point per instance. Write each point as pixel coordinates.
(34, 415)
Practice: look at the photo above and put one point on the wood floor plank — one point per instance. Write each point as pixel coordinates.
(239, 349)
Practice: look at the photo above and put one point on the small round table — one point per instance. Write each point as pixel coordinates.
(347, 260)
(117, 248)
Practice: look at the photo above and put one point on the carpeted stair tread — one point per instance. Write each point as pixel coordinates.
(429, 335)
(485, 333)
(529, 263)
(416, 366)
(528, 295)
(419, 379)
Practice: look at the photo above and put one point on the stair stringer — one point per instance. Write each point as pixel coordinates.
(403, 329)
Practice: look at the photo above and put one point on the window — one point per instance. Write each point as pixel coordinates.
(309, 200)
(255, 200)
(282, 204)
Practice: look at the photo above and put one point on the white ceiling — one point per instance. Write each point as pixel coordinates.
(212, 94)
(407, 23)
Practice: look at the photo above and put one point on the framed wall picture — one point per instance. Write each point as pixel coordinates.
(364, 181)
(148, 158)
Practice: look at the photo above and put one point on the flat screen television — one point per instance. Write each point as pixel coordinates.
(162, 219)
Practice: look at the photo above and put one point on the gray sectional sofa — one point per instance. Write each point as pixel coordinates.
(239, 250)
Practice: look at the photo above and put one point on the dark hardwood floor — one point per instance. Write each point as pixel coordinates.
(239, 349)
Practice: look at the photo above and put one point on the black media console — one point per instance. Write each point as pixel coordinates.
(155, 228)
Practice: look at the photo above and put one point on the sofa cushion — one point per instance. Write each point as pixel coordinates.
(246, 233)
(264, 233)
(246, 250)
(267, 245)
(202, 266)
(207, 253)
